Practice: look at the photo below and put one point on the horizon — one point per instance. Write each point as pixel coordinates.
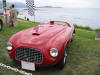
(56, 6)
(64, 3)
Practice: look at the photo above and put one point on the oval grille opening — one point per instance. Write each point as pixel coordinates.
(28, 54)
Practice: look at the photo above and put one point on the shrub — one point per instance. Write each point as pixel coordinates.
(97, 29)
(82, 27)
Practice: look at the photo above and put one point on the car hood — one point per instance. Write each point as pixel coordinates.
(39, 35)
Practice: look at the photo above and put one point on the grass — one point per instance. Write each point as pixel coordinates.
(83, 57)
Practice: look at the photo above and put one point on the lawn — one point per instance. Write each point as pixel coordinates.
(83, 57)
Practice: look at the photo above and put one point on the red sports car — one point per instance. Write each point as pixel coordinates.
(43, 45)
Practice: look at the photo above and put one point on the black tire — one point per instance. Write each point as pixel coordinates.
(74, 31)
(62, 62)
(1, 25)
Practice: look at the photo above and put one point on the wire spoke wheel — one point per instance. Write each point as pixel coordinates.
(65, 55)
(63, 61)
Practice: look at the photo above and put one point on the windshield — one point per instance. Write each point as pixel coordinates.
(61, 23)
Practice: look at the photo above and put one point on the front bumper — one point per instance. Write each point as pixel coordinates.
(47, 60)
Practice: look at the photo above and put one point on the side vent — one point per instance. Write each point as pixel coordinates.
(35, 33)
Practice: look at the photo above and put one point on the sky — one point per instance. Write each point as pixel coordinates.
(65, 3)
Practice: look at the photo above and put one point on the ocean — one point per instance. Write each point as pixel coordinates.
(81, 16)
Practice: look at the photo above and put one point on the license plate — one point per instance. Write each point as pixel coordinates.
(28, 65)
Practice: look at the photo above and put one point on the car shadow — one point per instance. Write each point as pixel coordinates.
(39, 69)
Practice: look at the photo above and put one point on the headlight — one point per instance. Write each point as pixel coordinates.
(9, 46)
(53, 52)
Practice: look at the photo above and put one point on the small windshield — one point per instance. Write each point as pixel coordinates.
(61, 23)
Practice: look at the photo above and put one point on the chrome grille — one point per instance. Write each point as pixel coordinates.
(28, 54)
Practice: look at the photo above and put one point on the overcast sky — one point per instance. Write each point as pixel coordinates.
(65, 3)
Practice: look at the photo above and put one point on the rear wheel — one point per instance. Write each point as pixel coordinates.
(72, 36)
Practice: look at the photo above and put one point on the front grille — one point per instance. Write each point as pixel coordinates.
(28, 54)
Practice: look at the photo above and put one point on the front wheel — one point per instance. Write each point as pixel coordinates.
(62, 62)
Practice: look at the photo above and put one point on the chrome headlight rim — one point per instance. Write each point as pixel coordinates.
(54, 52)
(9, 46)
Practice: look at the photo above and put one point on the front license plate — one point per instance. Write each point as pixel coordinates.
(28, 65)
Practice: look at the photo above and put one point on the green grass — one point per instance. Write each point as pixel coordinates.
(83, 57)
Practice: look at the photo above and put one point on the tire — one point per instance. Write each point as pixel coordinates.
(62, 62)
(1, 25)
(74, 31)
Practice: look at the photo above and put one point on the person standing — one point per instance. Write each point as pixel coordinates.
(6, 16)
(14, 15)
(10, 17)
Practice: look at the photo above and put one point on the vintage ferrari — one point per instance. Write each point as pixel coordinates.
(42, 46)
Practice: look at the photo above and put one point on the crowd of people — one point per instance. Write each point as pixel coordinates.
(10, 16)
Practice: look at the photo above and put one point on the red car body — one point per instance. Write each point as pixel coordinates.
(41, 39)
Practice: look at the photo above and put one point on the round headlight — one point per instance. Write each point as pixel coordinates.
(53, 52)
(9, 46)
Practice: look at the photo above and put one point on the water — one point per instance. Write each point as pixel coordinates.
(80, 16)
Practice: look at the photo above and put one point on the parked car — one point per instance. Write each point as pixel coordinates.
(43, 45)
(1, 24)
